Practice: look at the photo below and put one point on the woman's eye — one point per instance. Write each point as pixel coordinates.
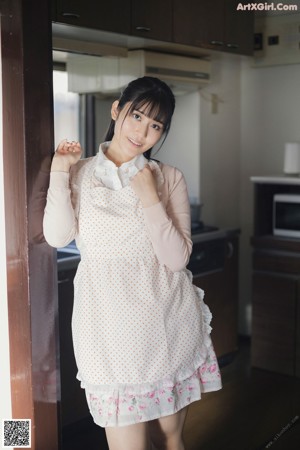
(136, 116)
(156, 127)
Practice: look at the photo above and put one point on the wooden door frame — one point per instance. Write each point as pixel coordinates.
(26, 52)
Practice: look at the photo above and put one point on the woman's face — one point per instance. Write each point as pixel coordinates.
(135, 132)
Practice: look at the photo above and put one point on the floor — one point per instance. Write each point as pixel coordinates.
(255, 410)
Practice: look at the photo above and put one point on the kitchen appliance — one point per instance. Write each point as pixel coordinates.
(109, 75)
(286, 215)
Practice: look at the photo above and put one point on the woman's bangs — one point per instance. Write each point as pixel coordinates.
(157, 109)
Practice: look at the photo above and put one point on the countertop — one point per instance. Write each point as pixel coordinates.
(222, 233)
(276, 179)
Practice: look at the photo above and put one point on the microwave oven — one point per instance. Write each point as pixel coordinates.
(286, 215)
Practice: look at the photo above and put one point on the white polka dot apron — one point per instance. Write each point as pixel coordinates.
(140, 331)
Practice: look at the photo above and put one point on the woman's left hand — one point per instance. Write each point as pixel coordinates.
(144, 185)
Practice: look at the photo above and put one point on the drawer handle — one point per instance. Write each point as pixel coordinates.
(198, 256)
(217, 43)
(232, 45)
(229, 250)
(143, 28)
(64, 280)
(71, 15)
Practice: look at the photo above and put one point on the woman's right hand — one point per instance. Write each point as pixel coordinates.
(66, 155)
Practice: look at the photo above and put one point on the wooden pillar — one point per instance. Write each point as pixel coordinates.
(31, 268)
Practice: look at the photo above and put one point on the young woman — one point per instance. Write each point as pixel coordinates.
(140, 327)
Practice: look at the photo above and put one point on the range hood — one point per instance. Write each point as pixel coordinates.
(110, 75)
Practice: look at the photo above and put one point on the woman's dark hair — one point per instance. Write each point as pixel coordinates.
(151, 95)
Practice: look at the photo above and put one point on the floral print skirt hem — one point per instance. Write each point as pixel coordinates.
(115, 409)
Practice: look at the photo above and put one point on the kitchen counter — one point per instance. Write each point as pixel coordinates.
(276, 179)
(222, 233)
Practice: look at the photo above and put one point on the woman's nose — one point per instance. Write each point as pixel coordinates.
(142, 129)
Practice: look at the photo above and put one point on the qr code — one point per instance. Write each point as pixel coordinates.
(17, 433)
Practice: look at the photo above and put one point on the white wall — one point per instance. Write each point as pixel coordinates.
(220, 143)
(270, 112)
(182, 146)
(66, 109)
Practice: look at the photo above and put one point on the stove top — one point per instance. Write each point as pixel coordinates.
(200, 227)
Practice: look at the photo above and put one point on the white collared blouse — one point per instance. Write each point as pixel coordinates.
(112, 176)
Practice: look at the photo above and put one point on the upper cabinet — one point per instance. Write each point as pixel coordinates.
(152, 19)
(215, 24)
(100, 15)
(238, 29)
(210, 24)
(198, 23)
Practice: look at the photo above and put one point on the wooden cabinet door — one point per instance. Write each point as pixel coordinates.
(199, 23)
(221, 296)
(239, 29)
(215, 24)
(101, 15)
(274, 322)
(152, 19)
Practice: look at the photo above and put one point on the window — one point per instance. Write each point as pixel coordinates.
(66, 109)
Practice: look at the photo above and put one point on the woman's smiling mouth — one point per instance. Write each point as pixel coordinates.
(135, 143)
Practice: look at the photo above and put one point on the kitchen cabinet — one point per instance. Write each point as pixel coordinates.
(73, 404)
(107, 16)
(214, 24)
(121, 16)
(275, 302)
(238, 29)
(152, 19)
(275, 284)
(211, 24)
(221, 295)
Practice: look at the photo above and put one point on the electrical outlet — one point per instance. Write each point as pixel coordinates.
(273, 40)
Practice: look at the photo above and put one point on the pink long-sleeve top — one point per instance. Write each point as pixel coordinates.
(168, 221)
